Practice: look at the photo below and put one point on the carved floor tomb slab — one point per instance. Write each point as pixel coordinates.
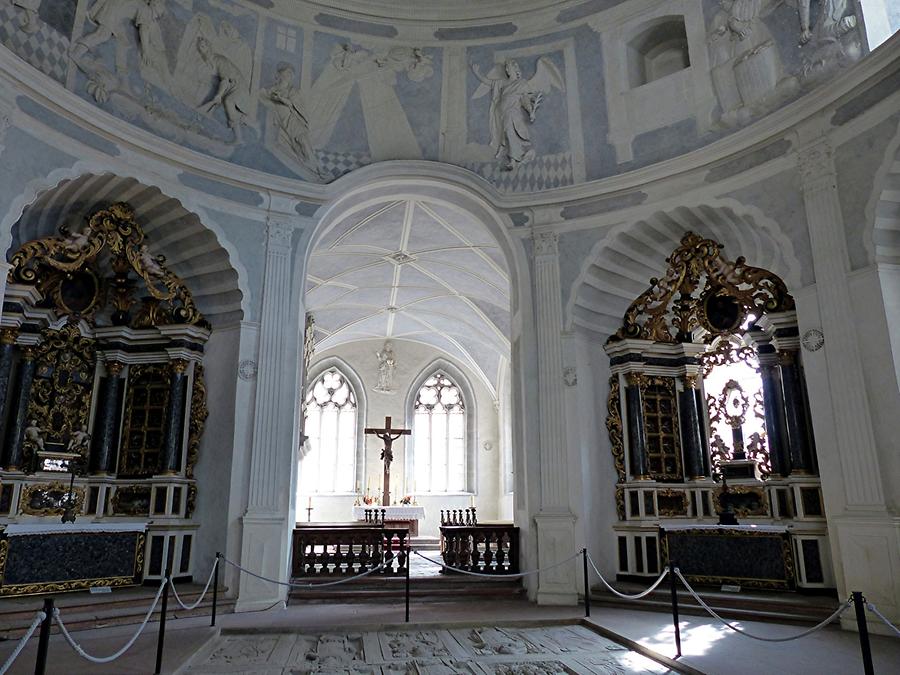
(477, 650)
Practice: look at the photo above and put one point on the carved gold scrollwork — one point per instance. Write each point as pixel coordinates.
(614, 428)
(731, 291)
(47, 499)
(199, 413)
(64, 268)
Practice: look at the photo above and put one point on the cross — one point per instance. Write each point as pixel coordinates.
(388, 436)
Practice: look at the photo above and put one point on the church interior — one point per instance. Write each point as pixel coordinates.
(473, 336)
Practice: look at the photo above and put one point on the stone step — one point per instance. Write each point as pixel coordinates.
(439, 586)
(756, 606)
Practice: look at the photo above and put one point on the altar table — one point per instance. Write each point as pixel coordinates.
(401, 514)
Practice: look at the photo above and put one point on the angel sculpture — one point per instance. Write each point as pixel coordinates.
(151, 263)
(514, 104)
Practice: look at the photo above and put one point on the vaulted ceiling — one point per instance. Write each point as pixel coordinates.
(413, 270)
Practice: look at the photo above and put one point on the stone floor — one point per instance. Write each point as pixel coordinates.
(483, 650)
(708, 647)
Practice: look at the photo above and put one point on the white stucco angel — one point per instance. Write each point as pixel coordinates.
(151, 263)
(79, 440)
(34, 435)
(514, 104)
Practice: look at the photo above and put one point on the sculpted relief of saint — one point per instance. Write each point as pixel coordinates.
(514, 105)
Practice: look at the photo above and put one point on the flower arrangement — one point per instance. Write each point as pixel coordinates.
(407, 500)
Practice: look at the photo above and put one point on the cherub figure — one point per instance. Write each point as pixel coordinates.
(34, 435)
(79, 440)
(75, 242)
(151, 263)
(514, 104)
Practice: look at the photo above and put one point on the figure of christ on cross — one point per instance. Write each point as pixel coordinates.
(388, 436)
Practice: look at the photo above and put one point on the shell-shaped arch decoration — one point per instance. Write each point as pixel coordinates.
(65, 269)
(730, 292)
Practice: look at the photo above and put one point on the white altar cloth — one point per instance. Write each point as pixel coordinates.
(674, 527)
(19, 529)
(401, 512)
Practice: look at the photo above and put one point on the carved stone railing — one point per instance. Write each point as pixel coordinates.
(486, 549)
(347, 549)
(459, 516)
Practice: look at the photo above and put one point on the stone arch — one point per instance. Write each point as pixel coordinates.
(882, 238)
(619, 266)
(194, 248)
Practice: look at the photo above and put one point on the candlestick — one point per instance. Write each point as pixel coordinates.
(472, 501)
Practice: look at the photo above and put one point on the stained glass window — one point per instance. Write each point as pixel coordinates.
(439, 436)
(328, 461)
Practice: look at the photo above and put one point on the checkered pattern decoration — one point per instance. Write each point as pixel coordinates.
(545, 172)
(336, 164)
(47, 49)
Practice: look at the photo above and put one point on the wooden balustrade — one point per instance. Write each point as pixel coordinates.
(486, 548)
(348, 549)
(459, 516)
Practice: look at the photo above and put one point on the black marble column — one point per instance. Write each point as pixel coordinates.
(14, 434)
(175, 418)
(106, 423)
(637, 442)
(795, 413)
(7, 347)
(691, 442)
(776, 434)
(704, 433)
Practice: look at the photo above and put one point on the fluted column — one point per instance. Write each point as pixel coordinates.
(865, 535)
(852, 417)
(555, 522)
(106, 423)
(7, 348)
(637, 442)
(800, 457)
(265, 545)
(174, 418)
(691, 429)
(24, 379)
(776, 434)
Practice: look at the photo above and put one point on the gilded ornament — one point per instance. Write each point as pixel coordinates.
(48, 499)
(8, 336)
(730, 292)
(661, 430)
(146, 406)
(199, 413)
(614, 428)
(128, 500)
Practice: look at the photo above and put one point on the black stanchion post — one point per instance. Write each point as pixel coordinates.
(215, 589)
(408, 562)
(587, 584)
(673, 584)
(44, 638)
(859, 605)
(161, 639)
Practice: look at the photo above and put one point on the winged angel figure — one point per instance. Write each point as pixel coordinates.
(514, 104)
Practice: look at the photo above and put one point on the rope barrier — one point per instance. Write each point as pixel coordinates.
(869, 606)
(322, 585)
(188, 608)
(843, 607)
(623, 595)
(108, 659)
(494, 576)
(38, 619)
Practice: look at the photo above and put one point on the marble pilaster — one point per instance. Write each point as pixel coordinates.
(776, 433)
(107, 421)
(555, 521)
(691, 443)
(175, 418)
(7, 348)
(13, 449)
(637, 443)
(800, 448)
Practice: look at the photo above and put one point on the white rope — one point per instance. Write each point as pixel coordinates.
(188, 608)
(107, 659)
(623, 595)
(38, 619)
(870, 606)
(840, 610)
(293, 585)
(494, 576)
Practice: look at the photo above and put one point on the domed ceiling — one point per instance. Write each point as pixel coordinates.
(531, 95)
(413, 270)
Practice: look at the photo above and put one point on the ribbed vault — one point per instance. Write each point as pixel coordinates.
(413, 270)
(191, 250)
(621, 266)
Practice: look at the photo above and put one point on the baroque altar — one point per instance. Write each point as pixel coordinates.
(102, 399)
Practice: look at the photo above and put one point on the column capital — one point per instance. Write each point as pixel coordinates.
(179, 366)
(816, 160)
(114, 368)
(545, 243)
(278, 235)
(690, 381)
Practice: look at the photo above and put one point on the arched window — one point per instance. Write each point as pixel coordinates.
(439, 436)
(329, 463)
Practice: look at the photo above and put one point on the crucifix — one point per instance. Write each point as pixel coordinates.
(388, 436)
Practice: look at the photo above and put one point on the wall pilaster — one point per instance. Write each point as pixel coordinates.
(266, 532)
(865, 550)
(555, 521)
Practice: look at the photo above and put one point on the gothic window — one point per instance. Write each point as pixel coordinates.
(439, 436)
(734, 401)
(328, 464)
